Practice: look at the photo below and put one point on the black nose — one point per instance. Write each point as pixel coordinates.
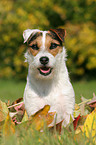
(44, 60)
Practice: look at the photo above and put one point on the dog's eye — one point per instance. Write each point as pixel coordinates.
(53, 45)
(34, 46)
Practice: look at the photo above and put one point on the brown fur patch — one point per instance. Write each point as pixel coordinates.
(37, 41)
(48, 42)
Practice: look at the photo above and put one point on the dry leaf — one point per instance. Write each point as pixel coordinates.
(76, 121)
(92, 103)
(89, 127)
(25, 117)
(3, 111)
(42, 117)
(9, 127)
(39, 119)
(79, 129)
(17, 111)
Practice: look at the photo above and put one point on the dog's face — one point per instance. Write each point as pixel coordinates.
(44, 51)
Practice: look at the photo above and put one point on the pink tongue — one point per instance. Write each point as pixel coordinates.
(45, 71)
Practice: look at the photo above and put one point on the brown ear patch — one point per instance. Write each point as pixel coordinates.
(61, 33)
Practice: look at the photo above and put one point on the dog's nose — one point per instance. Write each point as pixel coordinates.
(44, 60)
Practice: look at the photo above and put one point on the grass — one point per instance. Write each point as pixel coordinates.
(85, 89)
(33, 137)
(11, 90)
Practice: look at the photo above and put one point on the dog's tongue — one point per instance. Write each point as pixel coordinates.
(45, 70)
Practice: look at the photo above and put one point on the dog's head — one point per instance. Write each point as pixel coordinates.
(45, 50)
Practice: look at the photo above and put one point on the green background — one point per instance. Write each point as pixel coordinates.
(76, 16)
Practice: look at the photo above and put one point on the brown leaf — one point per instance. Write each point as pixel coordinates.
(42, 117)
(92, 103)
(39, 119)
(17, 101)
(17, 111)
(15, 104)
(79, 129)
(41, 112)
(49, 117)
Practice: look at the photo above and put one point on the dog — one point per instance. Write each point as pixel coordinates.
(48, 81)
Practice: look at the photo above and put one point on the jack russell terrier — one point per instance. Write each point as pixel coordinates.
(48, 80)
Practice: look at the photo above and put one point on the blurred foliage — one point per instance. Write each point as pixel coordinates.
(77, 17)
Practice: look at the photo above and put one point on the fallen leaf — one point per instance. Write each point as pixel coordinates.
(77, 107)
(76, 113)
(19, 107)
(17, 118)
(92, 103)
(17, 101)
(3, 111)
(49, 117)
(89, 127)
(41, 112)
(76, 121)
(42, 117)
(8, 127)
(79, 129)
(84, 99)
(17, 111)
(39, 119)
(25, 117)
(82, 108)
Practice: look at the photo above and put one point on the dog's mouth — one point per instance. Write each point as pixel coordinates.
(45, 70)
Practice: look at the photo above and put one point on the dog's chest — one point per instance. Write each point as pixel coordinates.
(34, 102)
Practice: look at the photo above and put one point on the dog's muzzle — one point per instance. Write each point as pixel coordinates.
(44, 70)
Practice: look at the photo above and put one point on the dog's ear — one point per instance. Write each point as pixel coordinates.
(61, 33)
(27, 33)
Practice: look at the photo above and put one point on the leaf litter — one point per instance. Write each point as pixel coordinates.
(14, 116)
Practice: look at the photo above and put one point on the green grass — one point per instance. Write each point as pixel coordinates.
(85, 89)
(12, 90)
(29, 137)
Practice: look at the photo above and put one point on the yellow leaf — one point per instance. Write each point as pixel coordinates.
(3, 111)
(41, 117)
(76, 110)
(9, 127)
(25, 117)
(49, 117)
(89, 127)
(79, 129)
(77, 107)
(42, 111)
(76, 113)
(38, 120)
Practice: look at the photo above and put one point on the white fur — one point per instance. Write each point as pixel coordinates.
(55, 89)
